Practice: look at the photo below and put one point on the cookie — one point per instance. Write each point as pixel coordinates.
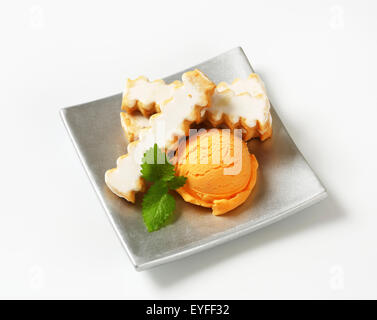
(179, 111)
(132, 124)
(243, 104)
(146, 96)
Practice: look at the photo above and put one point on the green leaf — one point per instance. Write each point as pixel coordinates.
(158, 206)
(155, 165)
(176, 182)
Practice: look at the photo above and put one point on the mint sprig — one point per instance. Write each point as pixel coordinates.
(158, 204)
(155, 166)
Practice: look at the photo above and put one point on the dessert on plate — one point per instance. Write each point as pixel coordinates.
(210, 167)
(219, 176)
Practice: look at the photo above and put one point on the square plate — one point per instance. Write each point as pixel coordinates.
(285, 185)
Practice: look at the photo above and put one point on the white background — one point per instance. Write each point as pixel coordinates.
(318, 60)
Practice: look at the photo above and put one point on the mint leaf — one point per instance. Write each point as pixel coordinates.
(176, 182)
(155, 166)
(158, 206)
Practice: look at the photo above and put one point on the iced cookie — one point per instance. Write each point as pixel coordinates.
(146, 96)
(132, 124)
(180, 110)
(242, 104)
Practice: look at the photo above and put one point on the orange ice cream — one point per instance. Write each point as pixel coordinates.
(220, 171)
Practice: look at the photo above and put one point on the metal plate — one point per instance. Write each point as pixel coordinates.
(286, 183)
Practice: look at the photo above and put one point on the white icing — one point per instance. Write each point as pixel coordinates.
(137, 122)
(253, 84)
(140, 121)
(243, 99)
(147, 92)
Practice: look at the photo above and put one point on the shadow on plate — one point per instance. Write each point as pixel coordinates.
(327, 211)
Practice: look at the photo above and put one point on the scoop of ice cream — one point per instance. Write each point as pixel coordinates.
(220, 170)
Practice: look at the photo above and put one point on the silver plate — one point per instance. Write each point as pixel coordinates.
(286, 183)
